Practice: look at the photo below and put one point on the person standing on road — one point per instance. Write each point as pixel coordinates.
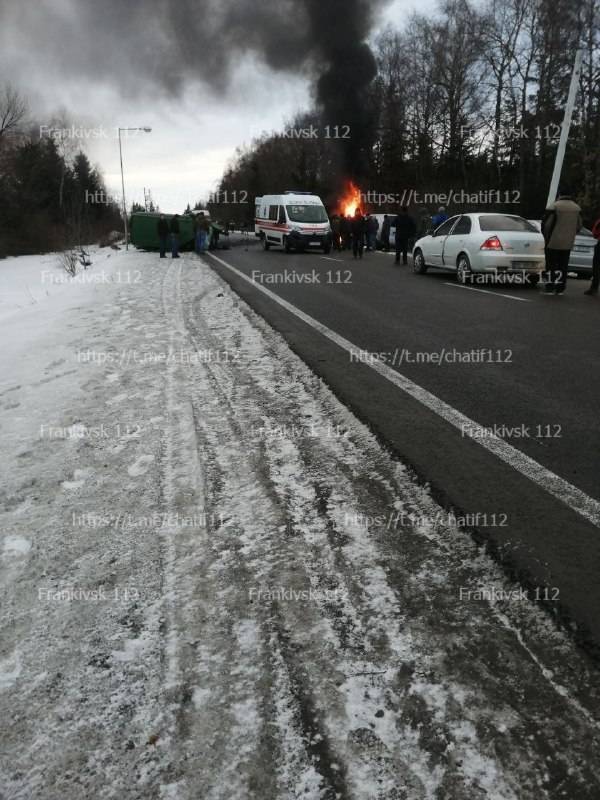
(202, 227)
(162, 228)
(561, 224)
(358, 233)
(596, 263)
(372, 226)
(175, 236)
(336, 232)
(405, 231)
(440, 217)
(215, 232)
(385, 232)
(345, 231)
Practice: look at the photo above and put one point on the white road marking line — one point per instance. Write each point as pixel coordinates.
(570, 495)
(327, 258)
(487, 291)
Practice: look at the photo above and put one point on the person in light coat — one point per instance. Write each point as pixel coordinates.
(561, 224)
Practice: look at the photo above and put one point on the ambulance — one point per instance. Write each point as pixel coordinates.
(292, 220)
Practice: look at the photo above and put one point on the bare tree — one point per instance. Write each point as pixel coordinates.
(456, 54)
(13, 109)
(590, 101)
(504, 22)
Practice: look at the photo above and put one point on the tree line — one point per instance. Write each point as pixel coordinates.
(468, 99)
(52, 198)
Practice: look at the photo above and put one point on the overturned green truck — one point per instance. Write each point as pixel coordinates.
(143, 230)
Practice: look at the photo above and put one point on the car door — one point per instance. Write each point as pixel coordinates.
(456, 242)
(435, 246)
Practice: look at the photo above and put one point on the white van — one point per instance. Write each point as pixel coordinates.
(292, 220)
(392, 218)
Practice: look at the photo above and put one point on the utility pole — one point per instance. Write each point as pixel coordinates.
(123, 194)
(146, 130)
(564, 131)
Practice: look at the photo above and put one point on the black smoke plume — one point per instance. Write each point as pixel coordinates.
(163, 47)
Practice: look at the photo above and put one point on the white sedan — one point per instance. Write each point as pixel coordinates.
(483, 244)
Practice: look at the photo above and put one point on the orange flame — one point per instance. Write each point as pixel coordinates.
(350, 200)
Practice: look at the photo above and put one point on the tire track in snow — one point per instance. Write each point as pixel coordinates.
(239, 721)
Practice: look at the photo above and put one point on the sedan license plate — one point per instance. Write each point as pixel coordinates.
(524, 265)
(578, 248)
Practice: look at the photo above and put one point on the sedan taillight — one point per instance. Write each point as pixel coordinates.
(493, 243)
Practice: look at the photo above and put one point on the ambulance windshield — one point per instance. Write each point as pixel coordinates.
(312, 213)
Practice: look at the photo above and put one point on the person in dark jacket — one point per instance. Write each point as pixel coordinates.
(385, 232)
(345, 232)
(336, 232)
(163, 230)
(215, 232)
(405, 231)
(175, 236)
(372, 226)
(596, 263)
(358, 233)
(561, 224)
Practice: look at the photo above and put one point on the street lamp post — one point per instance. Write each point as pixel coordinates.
(565, 128)
(146, 130)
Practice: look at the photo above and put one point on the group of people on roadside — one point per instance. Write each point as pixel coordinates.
(360, 232)
(206, 235)
(168, 232)
(354, 232)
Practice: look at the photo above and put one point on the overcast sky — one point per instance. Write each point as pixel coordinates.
(63, 59)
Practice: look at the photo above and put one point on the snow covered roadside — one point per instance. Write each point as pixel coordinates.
(29, 282)
(211, 585)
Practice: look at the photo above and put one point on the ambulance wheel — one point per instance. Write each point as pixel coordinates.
(286, 244)
(327, 248)
(265, 244)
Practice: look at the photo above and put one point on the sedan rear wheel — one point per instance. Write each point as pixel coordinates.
(463, 270)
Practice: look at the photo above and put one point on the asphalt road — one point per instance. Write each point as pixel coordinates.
(509, 358)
